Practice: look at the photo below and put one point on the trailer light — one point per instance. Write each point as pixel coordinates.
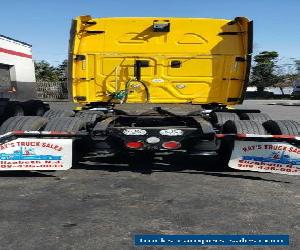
(171, 132)
(134, 131)
(134, 144)
(153, 140)
(171, 145)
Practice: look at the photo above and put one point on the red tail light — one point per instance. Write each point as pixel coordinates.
(171, 145)
(134, 144)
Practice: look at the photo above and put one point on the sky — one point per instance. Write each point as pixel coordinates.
(45, 23)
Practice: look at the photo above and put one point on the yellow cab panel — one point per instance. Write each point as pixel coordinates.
(160, 60)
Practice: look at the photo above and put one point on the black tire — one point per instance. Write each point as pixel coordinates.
(258, 117)
(52, 113)
(70, 124)
(243, 127)
(28, 123)
(97, 112)
(237, 127)
(220, 118)
(283, 127)
(65, 124)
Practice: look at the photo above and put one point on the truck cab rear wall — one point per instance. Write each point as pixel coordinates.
(219, 49)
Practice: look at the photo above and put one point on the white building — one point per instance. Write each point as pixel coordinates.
(17, 76)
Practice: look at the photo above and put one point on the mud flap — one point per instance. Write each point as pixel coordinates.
(36, 154)
(266, 156)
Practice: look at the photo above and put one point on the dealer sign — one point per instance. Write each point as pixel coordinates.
(36, 154)
(275, 157)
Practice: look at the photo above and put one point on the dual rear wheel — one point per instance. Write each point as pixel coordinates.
(282, 127)
(37, 123)
(251, 123)
(52, 120)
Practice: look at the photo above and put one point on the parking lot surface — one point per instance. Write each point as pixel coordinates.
(103, 205)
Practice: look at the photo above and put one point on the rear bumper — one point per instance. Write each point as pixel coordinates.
(192, 141)
(33, 150)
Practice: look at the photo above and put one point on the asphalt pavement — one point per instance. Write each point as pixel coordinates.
(103, 205)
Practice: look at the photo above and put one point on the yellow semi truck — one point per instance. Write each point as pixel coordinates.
(158, 60)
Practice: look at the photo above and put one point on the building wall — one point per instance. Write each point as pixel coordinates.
(18, 56)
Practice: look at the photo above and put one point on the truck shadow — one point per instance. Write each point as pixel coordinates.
(178, 165)
(182, 165)
(27, 174)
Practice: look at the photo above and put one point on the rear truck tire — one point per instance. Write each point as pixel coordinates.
(26, 123)
(283, 127)
(258, 117)
(90, 117)
(65, 124)
(53, 113)
(70, 124)
(237, 127)
(243, 127)
(220, 118)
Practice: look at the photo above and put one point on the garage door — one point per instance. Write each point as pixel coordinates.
(5, 81)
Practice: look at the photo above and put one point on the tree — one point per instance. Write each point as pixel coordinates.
(287, 79)
(263, 72)
(45, 72)
(62, 70)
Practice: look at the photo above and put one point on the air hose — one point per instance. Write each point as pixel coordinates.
(123, 94)
(127, 85)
